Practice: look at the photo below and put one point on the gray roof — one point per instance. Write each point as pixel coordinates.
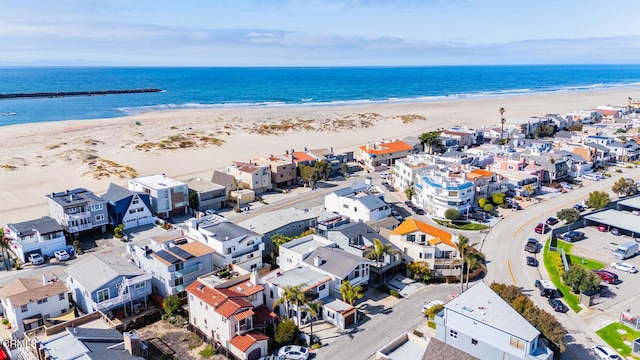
(597, 146)
(307, 244)
(276, 219)
(200, 185)
(384, 223)
(483, 305)
(117, 193)
(221, 178)
(74, 197)
(633, 202)
(335, 304)
(354, 229)
(335, 261)
(225, 230)
(298, 276)
(372, 202)
(438, 350)
(355, 188)
(86, 343)
(44, 225)
(620, 219)
(94, 271)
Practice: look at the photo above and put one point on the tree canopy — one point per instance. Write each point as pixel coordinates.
(624, 187)
(581, 279)
(452, 214)
(420, 270)
(431, 141)
(598, 200)
(498, 198)
(350, 293)
(569, 215)
(287, 332)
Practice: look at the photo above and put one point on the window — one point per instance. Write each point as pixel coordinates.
(24, 308)
(517, 343)
(136, 200)
(139, 285)
(322, 287)
(96, 207)
(102, 295)
(474, 342)
(132, 211)
(420, 255)
(100, 217)
(411, 237)
(346, 206)
(61, 296)
(178, 281)
(428, 255)
(179, 266)
(191, 297)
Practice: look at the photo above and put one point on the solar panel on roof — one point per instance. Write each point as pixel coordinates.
(164, 255)
(181, 253)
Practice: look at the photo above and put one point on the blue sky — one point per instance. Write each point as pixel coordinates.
(317, 32)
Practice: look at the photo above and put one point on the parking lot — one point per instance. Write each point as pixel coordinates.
(600, 246)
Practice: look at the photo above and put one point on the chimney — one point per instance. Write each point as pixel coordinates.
(317, 261)
(254, 278)
(132, 343)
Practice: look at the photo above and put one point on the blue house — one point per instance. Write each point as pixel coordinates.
(108, 283)
(130, 208)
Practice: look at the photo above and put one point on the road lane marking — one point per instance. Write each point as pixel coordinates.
(511, 272)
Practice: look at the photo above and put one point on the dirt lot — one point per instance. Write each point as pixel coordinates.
(185, 344)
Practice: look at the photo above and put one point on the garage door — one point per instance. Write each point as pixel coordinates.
(349, 319)
(254, 354)
(131, 223)
(145, 220)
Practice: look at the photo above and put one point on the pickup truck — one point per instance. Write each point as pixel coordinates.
(531, 246)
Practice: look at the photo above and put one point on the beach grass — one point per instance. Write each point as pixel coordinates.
(615, 335)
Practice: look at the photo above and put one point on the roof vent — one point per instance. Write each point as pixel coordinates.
(201, 288)
(239, 289)
(317, 261)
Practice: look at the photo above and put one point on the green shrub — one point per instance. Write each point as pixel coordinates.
(5, 321)
(431, 324)
(394, 293)
(207, 352)
(287, 332)
(488, 207)
(618, 170)
(417, 333)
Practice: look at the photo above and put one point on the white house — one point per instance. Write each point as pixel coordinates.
(44, 236)
(438, 191)
(173, 260)
(26, 303)
(169, 197)
(251, 176)
(231, 313)
(480, 323)
(233, 244)
(381, 155)
(358, 203)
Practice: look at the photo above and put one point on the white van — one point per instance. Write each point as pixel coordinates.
(384, 175)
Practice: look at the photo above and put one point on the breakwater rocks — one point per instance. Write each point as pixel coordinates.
(75, 93)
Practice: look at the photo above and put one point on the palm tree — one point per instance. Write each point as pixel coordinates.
(4, 244)
(431, 140)
(502, 121)
(314, 308)
(292, 295)
(350, 293)
(379, 250)
(623, 140)
(463, 248)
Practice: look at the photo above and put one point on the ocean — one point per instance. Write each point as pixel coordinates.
(190, 88)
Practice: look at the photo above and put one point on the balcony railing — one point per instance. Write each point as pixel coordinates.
(74, 229)
(109, 303)
(188, 270)
(78, 215)
(246, 251)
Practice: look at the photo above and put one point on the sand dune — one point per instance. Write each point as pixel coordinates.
(40, 158)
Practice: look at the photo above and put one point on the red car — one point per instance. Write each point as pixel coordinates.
(542, 228)
(602, 228)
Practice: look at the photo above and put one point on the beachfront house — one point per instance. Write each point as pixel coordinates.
(231, 313)
(43, 236)
(110, 284)
(78, 210)
(168, 197)
(382, 155)
(479, 322)
(232, 244)
(226, 180)
(206, 195)
(486, 183)
(173, 260)
(289, 222)
(284, 170)
(359, 202)
(251, 176)
(27, 303)
(421, 242)
(437, 191)
(129, 208)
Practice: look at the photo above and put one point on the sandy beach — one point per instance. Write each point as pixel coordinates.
(40, 158)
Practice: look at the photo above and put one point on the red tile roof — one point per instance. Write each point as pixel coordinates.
(300, 156)
(388, 148)
(223, 301)
(413, 225)
(243, 315)
(244, 342)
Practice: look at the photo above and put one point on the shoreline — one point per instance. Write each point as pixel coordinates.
(40, 158)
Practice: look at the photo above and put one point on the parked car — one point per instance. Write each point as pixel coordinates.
(384, 175)
(602, 227)
(604, 352)
(431, 304)
(542, 228)
(408, 203)
(622, 266)
(573, 236)
(580, 207)
(615, 231)
(591, 177)
(552, 221)
(419, 211)
(557, 305)
(294, 352)
(36, 259)
(531, 246)
(531, 261)
(566, 185)
(62, 255)
(607, 276)
(635, 212)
